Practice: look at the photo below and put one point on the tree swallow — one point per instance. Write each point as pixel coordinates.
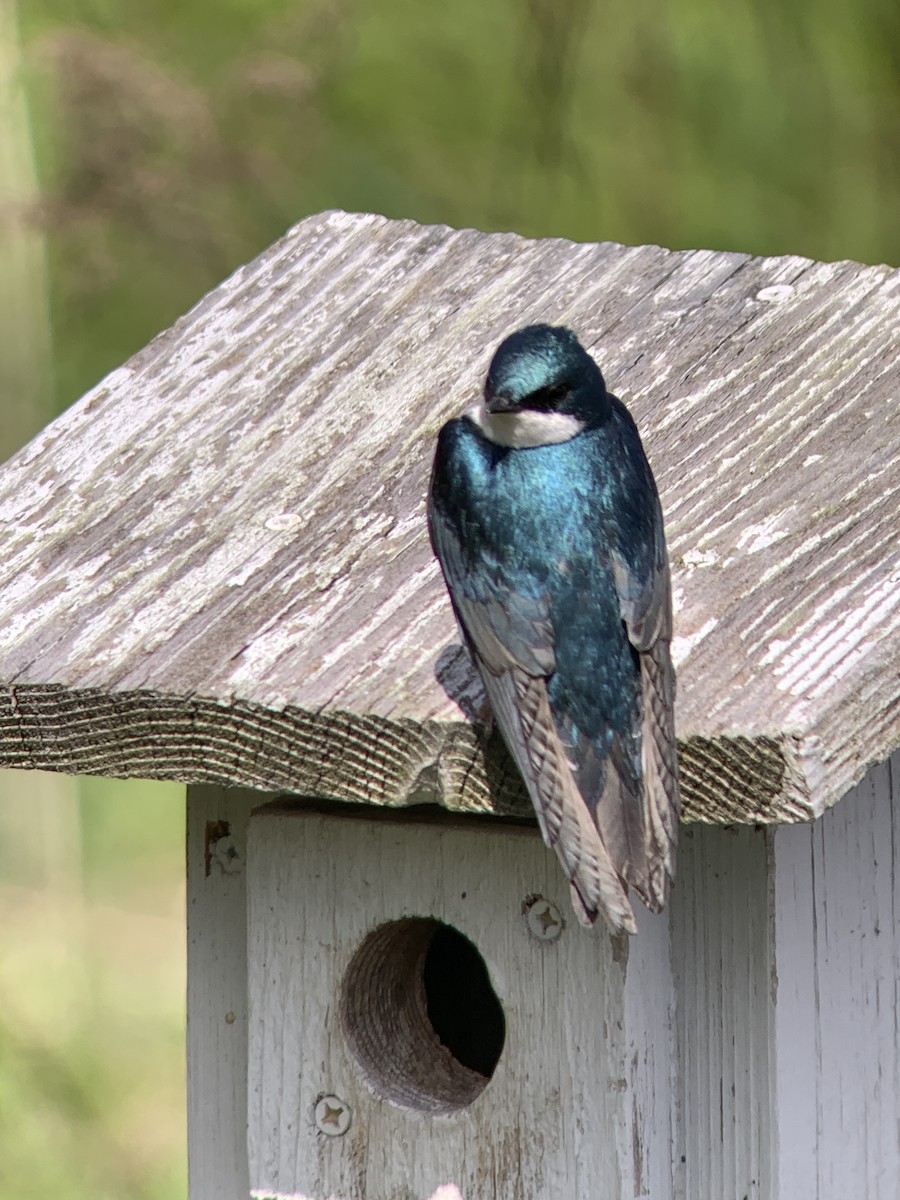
(544, 516)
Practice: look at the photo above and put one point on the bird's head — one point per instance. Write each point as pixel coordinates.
(545, 369)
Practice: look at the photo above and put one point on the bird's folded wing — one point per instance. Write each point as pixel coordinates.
(508, 626)
(645, 600)
(522, 709)
(509, 629)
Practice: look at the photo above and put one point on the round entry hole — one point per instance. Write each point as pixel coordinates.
(420, 1016)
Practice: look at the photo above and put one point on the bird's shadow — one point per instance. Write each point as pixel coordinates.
(457, 675)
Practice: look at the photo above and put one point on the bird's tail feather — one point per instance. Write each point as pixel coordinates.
(618, 811)
(522, 709)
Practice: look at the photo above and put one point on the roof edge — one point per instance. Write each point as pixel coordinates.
(341, 755)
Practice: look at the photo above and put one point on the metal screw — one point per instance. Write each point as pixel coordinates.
(225, 854)
(543, 918)
(332, 1116)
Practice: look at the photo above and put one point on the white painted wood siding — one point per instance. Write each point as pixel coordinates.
(580, 1105)
(763, 1064)
(837, 968)
(721, 960)
(786, 957)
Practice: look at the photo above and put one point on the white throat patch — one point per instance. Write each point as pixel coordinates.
(525, 430)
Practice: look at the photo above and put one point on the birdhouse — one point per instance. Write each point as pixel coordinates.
(216, 570)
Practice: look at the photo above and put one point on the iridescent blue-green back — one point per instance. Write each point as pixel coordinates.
(545, 525)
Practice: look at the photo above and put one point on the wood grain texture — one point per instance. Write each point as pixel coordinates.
(649, 1017)
(217, 992)
(837, 964)
(215, 566)
(580, 1103)
(721, 958)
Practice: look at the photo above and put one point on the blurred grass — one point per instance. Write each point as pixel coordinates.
(91, 989)
(162, 144)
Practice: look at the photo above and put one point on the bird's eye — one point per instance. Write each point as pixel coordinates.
(547, 397)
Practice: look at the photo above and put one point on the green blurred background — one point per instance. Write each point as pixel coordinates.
(147, 147)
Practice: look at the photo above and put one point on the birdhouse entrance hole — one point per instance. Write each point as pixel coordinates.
(420, 1015)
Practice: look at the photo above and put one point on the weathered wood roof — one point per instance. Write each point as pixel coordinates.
(215, 566)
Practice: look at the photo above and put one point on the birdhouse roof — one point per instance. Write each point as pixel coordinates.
(215, 566)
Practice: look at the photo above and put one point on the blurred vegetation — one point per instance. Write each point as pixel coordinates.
(174, 141)
(91, 989)
(147, 148)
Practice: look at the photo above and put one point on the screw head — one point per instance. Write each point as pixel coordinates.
(543, 919)
(332, 1116)
(226, 856)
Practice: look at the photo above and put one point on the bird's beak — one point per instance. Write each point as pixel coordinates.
(500, 402)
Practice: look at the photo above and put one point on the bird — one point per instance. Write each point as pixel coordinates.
(545, 518)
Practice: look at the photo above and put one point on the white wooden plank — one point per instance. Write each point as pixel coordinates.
(217, 992)
(648, 1130)
(215, 566)
(837, 894)
(794, 1029)
(550, 1122)
(720, 959)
